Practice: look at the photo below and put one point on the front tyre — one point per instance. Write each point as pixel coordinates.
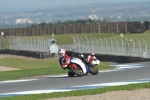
(70, 74)
(93, 70)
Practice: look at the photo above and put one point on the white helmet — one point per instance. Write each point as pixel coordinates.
(61, 51)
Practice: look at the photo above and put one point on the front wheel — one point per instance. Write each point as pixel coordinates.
(93, 70)
(70, 74)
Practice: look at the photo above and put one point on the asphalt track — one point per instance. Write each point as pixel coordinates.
(124, 74)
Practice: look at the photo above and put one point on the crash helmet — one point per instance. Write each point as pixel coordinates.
(61, 52)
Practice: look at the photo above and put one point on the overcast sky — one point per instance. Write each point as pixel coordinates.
(36, 4)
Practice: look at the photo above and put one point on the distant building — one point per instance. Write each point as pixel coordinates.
(23, 21)
(92, 17)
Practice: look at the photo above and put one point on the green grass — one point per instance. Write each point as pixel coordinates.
(67, 38)
(29, 64)
(79, 92)
(29, 68)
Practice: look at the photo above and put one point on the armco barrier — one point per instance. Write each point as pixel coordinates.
(39, 55)
(105, 58)
(119, 59)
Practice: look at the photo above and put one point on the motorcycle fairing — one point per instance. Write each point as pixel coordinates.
(79, 62)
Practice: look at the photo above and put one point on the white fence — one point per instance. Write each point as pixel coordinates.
(111, 46)
(35, 44)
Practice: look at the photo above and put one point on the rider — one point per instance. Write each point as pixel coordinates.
(91, 57)
(65, 57)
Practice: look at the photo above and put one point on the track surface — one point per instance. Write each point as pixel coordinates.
(124, 73)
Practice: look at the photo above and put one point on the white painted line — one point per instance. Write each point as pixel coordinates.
(12, 81)
(58, 76)
(128, 65)
(32, 92)
(112, 84)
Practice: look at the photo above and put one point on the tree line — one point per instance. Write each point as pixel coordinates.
(68, 22)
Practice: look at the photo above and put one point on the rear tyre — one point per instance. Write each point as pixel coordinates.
(71, 74)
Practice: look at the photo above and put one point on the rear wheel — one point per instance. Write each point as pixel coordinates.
(71, 74)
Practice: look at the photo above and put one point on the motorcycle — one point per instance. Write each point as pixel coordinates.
(96, 62)
(79, 68)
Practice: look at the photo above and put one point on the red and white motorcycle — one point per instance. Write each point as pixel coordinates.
(79, 68)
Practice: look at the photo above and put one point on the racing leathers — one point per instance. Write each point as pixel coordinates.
(65, 60)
